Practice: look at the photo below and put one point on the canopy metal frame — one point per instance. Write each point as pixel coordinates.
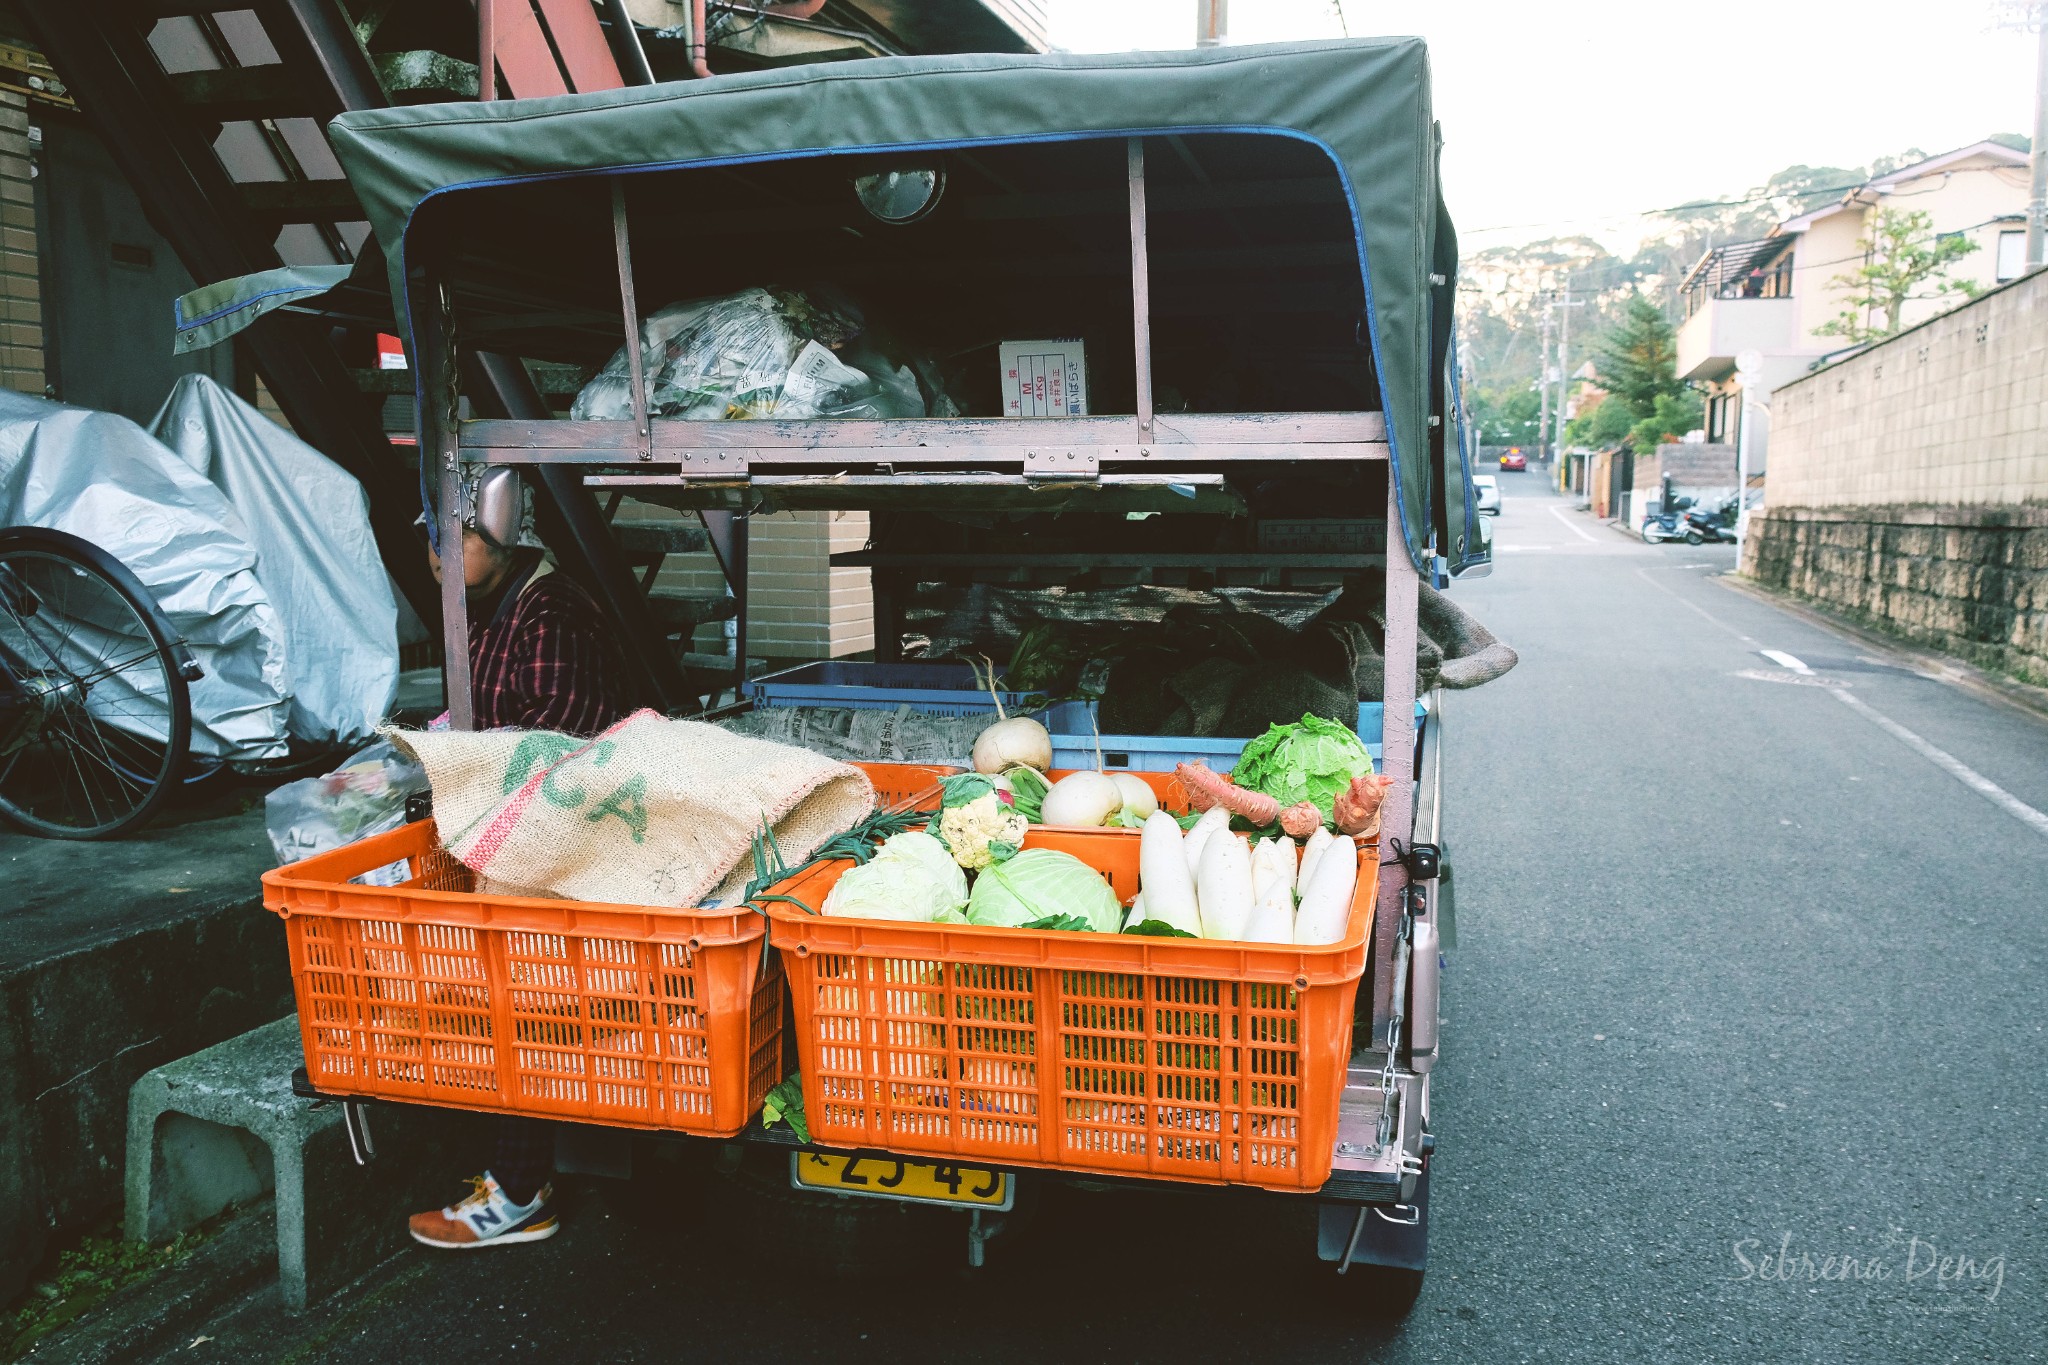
(1024, 453)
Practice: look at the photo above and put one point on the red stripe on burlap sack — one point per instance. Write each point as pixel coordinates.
(488, 844)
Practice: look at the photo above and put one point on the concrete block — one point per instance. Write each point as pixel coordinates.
(222, 1127)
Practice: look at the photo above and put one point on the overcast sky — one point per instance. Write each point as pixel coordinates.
(1579, 114)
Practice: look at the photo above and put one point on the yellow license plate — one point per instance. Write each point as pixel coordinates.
(886, 1177)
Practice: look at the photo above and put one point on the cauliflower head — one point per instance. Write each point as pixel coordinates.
(982, 831)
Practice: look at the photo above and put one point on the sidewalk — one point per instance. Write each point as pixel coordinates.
(117, 957)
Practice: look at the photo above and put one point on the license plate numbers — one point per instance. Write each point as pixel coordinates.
(914, 1181)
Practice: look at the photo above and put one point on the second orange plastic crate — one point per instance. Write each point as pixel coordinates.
(1188, 1059)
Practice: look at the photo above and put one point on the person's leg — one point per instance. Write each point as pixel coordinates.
(510, 1202)
(522, 1156)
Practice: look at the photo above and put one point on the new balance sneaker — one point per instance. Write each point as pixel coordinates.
(486, 1219)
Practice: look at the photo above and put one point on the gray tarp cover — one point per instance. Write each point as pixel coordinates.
(256, 546)
(309, 523)
(1365, 101)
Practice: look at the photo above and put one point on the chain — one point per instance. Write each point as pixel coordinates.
(1395, 1018)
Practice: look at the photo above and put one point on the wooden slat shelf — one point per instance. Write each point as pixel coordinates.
(878, 559)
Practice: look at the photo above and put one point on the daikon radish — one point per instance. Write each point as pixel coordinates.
(1264, 869)
(1326, 895)
(1213, 819)
(1272, 918)
(1223, 886)
(1310, 852)
(1136, 915)
(1285, 855)
(1165, 883)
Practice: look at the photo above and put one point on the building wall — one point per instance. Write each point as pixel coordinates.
(1952, 412)
(1909, 484)
(1694, 467)
(21, 308)
(1967, 197)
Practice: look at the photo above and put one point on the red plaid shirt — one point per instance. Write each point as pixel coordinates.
(543, 662)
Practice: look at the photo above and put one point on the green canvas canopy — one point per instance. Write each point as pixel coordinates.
(1364, 105)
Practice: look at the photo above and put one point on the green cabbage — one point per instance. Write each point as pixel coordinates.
(911, 877)
(1311, 760)
(1042, 883)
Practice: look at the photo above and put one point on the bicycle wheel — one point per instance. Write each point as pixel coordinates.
(95, 712)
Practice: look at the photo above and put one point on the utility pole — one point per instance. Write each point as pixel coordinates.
(1543, 383)
(2037, 202)
(1564, 374)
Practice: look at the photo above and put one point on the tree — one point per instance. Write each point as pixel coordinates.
(1638, 358)
(1903, 260)
(1671, 417)
(1602, 424)
(1506, 417)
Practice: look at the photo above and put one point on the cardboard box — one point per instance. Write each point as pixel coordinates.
(1044, 378)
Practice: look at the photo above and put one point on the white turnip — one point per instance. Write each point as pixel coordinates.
(1084, 799)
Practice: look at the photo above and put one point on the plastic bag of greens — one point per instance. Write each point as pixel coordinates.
(734, 357)
(364, 796)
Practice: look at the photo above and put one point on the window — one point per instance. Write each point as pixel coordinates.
(2012, 255)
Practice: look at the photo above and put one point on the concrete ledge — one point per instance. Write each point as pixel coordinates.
(222, 1127)
(2018, 516)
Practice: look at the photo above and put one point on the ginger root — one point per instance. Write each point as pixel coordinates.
(1358, 805)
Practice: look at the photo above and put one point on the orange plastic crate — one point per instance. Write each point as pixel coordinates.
(912, 786)
(1186, 1059)
(432, 992)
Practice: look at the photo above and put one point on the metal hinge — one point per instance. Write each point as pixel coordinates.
(713, 464)
(1062, 464)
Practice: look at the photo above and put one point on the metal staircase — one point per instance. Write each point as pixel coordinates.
(214, 110)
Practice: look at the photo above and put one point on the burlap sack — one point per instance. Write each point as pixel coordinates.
(652, 812)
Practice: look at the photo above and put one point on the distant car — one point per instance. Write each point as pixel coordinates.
(1514, 459)
(1486, 489)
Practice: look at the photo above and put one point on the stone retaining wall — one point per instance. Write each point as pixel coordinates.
(1969, 581)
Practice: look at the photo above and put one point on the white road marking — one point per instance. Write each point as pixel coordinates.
(1774, 675)
(1940, 758)
(1581, 532)
(1691, 605)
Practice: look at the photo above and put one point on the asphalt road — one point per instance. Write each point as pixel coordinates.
(1740, 971)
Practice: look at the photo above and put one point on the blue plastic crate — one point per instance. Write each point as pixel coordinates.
(936, 689)
(1074, 742)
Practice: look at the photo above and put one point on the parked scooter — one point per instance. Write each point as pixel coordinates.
(1661, 524)
(1710, 527)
